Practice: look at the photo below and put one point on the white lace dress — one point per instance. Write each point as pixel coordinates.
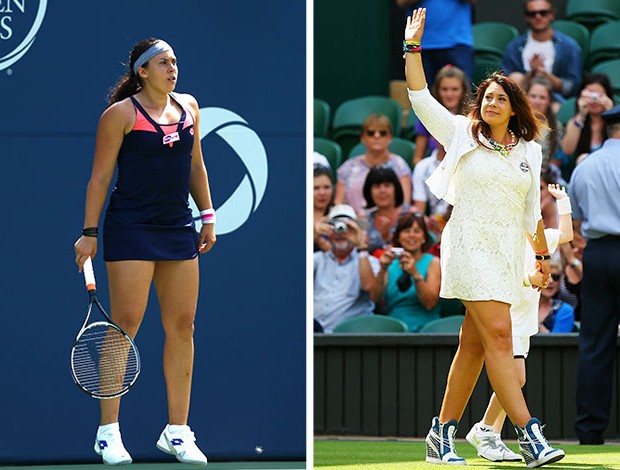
(494, 200)
(482, 246)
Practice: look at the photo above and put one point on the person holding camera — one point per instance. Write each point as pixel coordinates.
(586, 132)
(409, 279)
(344, 275)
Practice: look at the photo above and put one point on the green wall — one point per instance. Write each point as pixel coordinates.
(351, 49)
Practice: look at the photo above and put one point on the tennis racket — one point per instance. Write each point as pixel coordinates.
(105, 362)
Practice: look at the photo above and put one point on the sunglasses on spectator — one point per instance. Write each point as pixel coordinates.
(372, 132)
(532, 14)
(556, 277)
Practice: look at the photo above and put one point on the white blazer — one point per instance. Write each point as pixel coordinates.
(454, 133)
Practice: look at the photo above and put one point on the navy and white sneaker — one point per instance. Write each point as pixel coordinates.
(109, 445)
(534, 447)
(179, 440)
(440, 443)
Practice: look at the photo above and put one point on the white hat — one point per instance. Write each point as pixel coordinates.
(344, 211)
(321, 160)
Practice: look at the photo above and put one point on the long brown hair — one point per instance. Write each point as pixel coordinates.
(524, 123)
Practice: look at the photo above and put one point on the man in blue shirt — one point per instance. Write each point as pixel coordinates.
(594, 190)
(541, 51)
(343, 276)
(448, 37)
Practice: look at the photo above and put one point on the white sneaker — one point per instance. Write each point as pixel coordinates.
(109, 445)
(485, 441)
(508, 454)
(179, 440)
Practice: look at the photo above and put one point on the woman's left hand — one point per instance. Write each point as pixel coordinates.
(415, 25)
(207, 238)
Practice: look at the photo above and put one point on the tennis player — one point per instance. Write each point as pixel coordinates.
(152, 135)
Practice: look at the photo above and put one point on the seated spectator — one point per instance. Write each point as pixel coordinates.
(343, 276)
(451, 89)
(543, 52)
(376, 136)
(540, 95)
(587, 131)
(323, 196)
(384, 205)
(408, 282)
(554, 315)
(548, 175)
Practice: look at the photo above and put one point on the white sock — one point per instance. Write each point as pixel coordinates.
(108, 427)
(484, 427)
(176, 428)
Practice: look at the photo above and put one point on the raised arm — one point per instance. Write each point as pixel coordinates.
(414, 71)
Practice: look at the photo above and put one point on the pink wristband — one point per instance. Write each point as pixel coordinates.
(207, 216)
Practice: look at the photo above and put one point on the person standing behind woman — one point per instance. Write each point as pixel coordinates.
(152, 135)
(408, 283)
(452, 90)
(450, 39)
(586, 132)
(491, 176)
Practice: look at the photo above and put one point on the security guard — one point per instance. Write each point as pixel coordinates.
(595, 192)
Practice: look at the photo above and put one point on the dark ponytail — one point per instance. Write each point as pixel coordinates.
(130, 83)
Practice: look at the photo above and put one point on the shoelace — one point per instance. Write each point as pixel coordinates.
(490, 441)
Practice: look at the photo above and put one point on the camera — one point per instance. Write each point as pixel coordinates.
(397, 251)
(340, 226)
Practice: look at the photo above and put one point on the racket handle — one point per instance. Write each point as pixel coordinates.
(89, 275)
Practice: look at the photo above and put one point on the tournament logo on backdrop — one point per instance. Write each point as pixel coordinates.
(20, 21)
(245, 199)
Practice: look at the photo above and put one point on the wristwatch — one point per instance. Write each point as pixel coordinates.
(575, 263)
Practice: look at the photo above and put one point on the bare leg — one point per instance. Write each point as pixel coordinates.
(129, 283)
(177, 290)
(492, 320)
(464, 372)
(495, 414)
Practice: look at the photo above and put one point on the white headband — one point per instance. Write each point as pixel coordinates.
(157, 48)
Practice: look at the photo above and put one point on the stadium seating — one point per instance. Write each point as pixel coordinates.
(322, 116)
(592, 13)
(611, 68)
(491, 38)
(371, 324)
(483, 67)
(604, 43)
(449, 325)
(332, 152)
(350, 116)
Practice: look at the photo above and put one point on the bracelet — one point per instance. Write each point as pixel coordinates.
(544, 252)
(90, 232)
(578, 124)
(207, 216)
(543, 257)
(564, 206)
(363, 254)
(418, 279)
(411, 47)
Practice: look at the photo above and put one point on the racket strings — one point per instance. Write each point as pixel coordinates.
(105, 361)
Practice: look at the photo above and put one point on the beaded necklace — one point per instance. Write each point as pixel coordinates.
(504, 150)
